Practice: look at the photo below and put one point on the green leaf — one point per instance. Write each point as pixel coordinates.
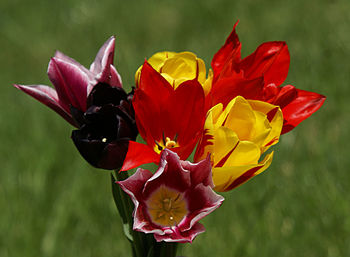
(117, 191)
(151, 251)
(127, 233)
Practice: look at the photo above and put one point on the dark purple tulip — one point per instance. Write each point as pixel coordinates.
(106, 127)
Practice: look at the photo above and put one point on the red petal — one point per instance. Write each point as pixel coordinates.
(148, 116)
(270, 60)
(229, 53)
(186, 149)
(285, 96)
(186, 112)
(305, 104)
(137, 155)
(228, 88)
(153, 84)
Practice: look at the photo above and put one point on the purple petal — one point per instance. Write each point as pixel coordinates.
(47, 96)
(134, 184)
(201, 201)
(115, 79)
(70, 82)
(103, 60)
(181, 237)
(133, 187)
(170, 173)
(63, 57)
(200, 172)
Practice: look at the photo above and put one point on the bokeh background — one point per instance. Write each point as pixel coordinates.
(52, 203)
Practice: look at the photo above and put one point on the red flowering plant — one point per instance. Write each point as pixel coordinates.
(234, 114)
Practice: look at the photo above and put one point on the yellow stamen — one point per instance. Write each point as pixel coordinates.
(169, 143)
(166, 142)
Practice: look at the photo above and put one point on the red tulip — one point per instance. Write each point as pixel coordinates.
(258, 77)
(166, 118)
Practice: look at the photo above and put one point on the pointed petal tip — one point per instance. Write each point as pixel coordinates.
(58, 53)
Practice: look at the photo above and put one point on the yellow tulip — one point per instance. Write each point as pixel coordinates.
(236, 137)
(179, 67)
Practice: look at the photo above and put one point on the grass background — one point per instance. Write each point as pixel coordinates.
(52, 203)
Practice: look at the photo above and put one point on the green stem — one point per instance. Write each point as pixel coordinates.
(164, 249)
(138, 239)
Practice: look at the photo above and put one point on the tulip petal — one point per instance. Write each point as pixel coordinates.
(100, 154)
(225, 141)
(229, 54)
(170, 173)
(228, 88)
(154, 85)
(186, 112)
(227, 178)
(202, 200)
(137, 155)
(104, 58)
(271, 60)
(114, 154)
(240, 117)
(305, 104)
(70, 82)
(48, 96)
(115, 80)
(148, 117)
(183, 237)
(200, 171)
(135, 183)
(275, 117)
(62, 56)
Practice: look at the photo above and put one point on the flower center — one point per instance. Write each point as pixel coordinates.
(166, 207)
(165, 143)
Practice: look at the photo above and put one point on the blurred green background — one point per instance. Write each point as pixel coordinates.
(52, 203)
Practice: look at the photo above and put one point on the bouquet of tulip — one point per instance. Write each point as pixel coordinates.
(226, 120)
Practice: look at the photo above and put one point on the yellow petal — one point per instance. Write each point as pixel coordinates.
(262, 129)
(158, 59)
(245, 153)
(240, 118)
(276, 123)
(225, 141)
(208, 82)
(226, 178)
